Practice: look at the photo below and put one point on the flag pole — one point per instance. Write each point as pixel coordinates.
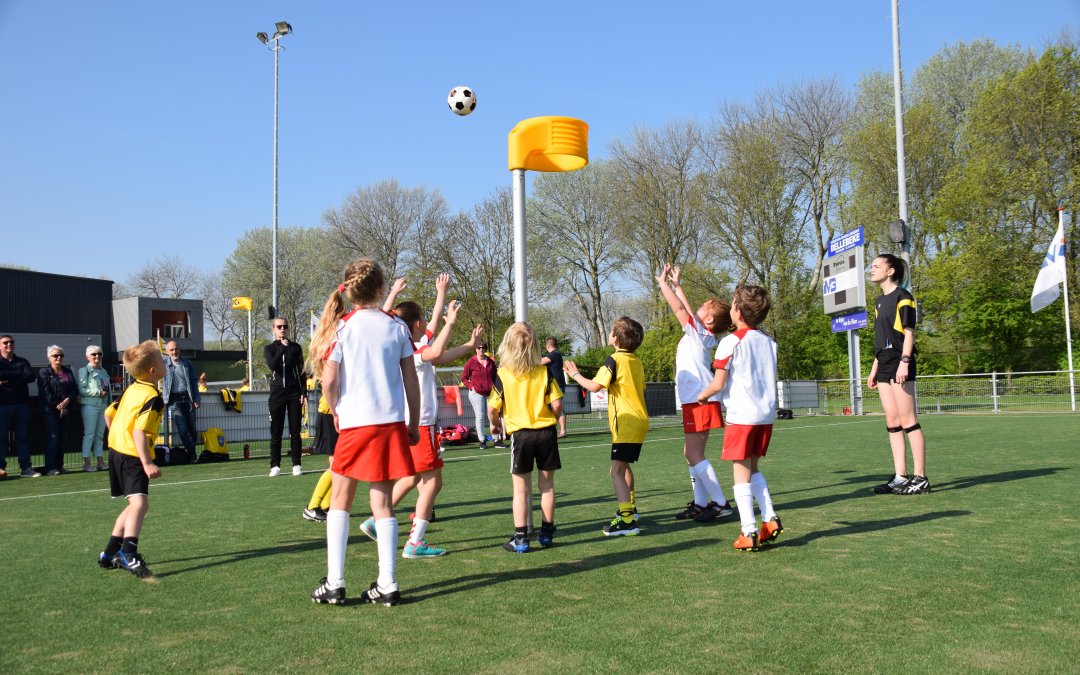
(1068, 324)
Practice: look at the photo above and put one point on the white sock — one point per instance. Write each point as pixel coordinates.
(701, 497)
(707, 475)
(744, 499)
(897, 479)
(419, 529)
(386, 529)
(337, 537)
(761, 494)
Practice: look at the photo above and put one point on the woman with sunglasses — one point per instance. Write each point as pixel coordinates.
(57, 390)
(94, 397)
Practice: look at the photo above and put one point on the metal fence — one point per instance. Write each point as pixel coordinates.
(247, 433)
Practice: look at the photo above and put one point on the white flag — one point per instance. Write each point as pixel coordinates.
(1051, 275)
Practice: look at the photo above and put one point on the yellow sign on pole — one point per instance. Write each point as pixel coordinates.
(241, 303)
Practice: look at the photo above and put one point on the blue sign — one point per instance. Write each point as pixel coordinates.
(846, 241)
(849, 322)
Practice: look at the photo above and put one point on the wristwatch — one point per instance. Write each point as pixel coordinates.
(905, 359)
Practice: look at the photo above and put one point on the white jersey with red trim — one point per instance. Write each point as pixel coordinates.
(749, 395)
(370, 346)
(692, 372)
(425, 372)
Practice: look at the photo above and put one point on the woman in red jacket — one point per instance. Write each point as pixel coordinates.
(478, 377)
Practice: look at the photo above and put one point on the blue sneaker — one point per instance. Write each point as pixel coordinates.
(421, 550)
(517, 545)
(547, 534)
(107, 562)
(134, 563)
(368, 528)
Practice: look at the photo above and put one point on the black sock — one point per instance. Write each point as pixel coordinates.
(113, 547)
(521, 532)
(131, 545)
(545, 525)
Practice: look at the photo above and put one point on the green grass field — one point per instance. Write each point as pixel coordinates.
(981, 575)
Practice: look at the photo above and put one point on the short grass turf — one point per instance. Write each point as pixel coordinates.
(980, 575)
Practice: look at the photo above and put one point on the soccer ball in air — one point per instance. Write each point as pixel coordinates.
(462, 100)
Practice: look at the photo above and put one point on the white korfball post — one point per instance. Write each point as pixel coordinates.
(521, 263)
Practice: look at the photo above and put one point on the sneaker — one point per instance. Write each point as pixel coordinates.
(889, 486)
(54, 472)
(275, 471)
(483, 445)
(89, 468)
(316, 514)
(373, 595)
(297, 471)
(770, 530)
(747, 542)
(324, 595)
(499, 444)
(621, 528)
(691, 511)
(30, 473)
(712, 512)
(516, 545)
(917, 485)
(368, 528)
(421, 550)
(101, 466)
(635, 514)
(134, 563)
(547, 535)
(108, 562)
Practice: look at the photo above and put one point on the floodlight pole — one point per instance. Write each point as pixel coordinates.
(274, 44)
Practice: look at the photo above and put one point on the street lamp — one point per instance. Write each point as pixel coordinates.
(274, 44)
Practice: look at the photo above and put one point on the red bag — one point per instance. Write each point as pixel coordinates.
(453, 434)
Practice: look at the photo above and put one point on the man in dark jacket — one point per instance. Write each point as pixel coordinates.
(180, 392)
(15, 374)
(285, 359)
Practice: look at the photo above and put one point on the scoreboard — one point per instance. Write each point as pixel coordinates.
(843, 285)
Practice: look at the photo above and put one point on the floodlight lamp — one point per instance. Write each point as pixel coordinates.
(898, 231)
(283, 28)
(262, 37)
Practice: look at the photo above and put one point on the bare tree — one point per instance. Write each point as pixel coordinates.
(167, 277)
(218, 310)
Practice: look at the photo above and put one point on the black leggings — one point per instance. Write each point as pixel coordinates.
(279, 406)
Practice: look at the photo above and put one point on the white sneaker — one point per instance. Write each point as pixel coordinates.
(275, 471)
(297, 471)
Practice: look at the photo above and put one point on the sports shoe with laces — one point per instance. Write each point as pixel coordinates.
(368, 528)
(889, 486)
(770, 530)
(324, 595)
(316, 514)
(517, 545)
(621, 528)
(421, 550)
(374, 595)
(297, 470)
(691, 510)
(712, 512)
(917, 485)
(108, 562)
(499, 444)
(134, 563)
(30, 473)
(747, 542)
(547, 535)
(275, 471)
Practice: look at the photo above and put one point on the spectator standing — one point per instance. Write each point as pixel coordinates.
(202, 383)
(94, 397)
(15, 374)
(554, 363)
(478, 376)
(180, 392)
(57, 391)
(285, 359)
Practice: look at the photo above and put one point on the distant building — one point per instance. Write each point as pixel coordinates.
(138, 319)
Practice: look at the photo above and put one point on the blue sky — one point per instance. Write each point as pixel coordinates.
(133, 130)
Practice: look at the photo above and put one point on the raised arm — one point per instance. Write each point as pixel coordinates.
(395, 290)
(438, 346)
(572, 370)
(441, 284)
(672, 299)
(463, 350)
(679, 293)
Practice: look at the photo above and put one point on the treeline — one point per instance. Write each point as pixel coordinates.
(751, 195)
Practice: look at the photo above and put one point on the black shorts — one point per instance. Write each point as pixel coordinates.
(625, 452)
(534, 447)
(325, 435)
(126, 475)
(887, 365)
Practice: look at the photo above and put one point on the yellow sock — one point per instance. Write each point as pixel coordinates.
(320, 498)
(626, 511)
(633, 499)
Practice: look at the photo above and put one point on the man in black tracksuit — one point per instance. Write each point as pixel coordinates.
(285, 359)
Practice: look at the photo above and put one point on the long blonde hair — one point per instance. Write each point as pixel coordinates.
(364, 285)
(519, 352)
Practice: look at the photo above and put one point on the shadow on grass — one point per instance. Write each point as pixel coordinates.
(557, 570)
(1002, 477)
(847, 528)
(231, 557)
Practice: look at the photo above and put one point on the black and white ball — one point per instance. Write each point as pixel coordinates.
(462, 100)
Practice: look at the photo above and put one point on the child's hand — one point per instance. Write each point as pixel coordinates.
(152, 470)
(477, 336)
(571, 368)
(662, 277)
(442, 283)
(399, 285)
(452, 311)
(675, 273)
(414, 434)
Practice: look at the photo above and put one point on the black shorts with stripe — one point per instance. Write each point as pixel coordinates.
(625, 452)
(888, 362)
(534, 447)
(126, 475)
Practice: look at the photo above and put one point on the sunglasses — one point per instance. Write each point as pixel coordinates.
(96, 354)
(7, 342)
(284, 325)
(56, 356)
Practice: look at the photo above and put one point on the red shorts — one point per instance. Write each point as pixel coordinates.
(698, 417)
(425, 454)
(742, 441)
(378, 452)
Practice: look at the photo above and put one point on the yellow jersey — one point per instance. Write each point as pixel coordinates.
(524, 399)
(624, 378)
(137, 411)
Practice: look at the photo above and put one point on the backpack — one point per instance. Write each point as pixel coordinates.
(166, 456)
(453, 434)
